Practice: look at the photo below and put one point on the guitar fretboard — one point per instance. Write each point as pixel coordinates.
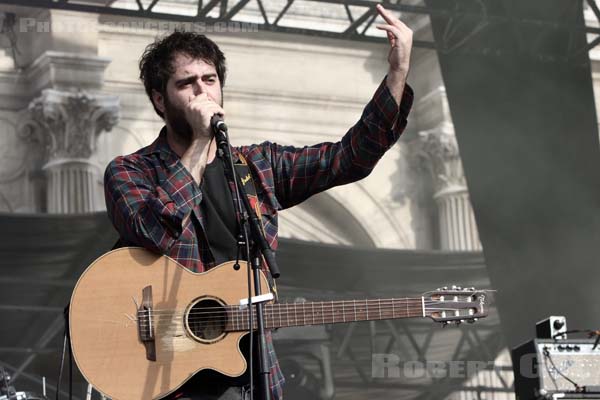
(326, 312)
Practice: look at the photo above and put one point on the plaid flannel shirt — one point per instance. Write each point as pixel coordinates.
(154, 202)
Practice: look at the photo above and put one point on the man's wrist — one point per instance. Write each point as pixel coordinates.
(395, 81)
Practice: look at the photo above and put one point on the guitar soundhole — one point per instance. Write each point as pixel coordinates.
(206, 320)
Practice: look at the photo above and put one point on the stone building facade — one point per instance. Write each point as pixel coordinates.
(71, 100)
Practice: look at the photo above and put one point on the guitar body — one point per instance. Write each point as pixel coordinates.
(104, 328)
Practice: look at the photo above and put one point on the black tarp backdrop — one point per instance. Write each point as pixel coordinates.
(526, 127)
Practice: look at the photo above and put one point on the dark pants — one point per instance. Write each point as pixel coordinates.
(209, 385)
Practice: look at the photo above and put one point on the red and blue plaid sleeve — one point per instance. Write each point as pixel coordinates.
(299, 173)
(143, 212)
(388, 118)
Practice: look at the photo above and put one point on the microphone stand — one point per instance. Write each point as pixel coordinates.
(259, 245)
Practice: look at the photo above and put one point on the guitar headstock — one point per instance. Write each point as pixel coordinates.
(455, 304)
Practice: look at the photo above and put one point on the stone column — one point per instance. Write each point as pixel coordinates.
(458, 230)
(66, 125)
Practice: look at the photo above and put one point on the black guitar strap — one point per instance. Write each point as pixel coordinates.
(242, 170)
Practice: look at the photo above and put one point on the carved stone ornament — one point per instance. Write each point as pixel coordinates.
(439, 149)
(67, 124)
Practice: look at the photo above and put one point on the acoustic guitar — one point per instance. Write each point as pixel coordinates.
(141, 324)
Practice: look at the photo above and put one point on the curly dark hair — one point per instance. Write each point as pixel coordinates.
(156, 64)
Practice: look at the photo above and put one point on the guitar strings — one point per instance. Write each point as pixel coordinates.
(235, 309)
(240, 317)
(342, 303)
(293, 308)
(285, 308)
(327, 309)
(295, 317)
(370, 301)
(295, 314)
(275, 323)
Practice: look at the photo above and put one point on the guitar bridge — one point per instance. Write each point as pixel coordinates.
(145, 323)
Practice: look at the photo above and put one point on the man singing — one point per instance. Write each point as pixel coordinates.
(172, 196)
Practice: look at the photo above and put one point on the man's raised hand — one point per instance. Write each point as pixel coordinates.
(400, 38)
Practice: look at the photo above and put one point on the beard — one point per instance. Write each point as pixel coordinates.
(175, 118)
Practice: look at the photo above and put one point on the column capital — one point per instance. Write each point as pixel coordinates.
(67, 123)
(439, 150)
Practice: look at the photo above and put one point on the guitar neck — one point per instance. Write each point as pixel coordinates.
(327, 312)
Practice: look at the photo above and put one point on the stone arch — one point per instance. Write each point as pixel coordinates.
(324, 219)
(328, 218)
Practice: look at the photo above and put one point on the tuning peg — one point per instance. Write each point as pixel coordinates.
(454, 287)
(471, 320)
(445, 288)
(444, 324)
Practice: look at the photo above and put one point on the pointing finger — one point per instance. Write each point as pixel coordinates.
(387, 16)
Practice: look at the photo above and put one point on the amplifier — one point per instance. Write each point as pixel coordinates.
(543, 368)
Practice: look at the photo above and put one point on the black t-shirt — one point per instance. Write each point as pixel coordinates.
(220, 225)
(220, 222)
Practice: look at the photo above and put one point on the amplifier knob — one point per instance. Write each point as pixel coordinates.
(576, 348)
(561, 347)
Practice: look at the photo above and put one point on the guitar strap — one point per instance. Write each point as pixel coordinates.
(242, 170)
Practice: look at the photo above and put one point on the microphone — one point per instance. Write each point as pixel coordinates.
(218, 124)
(220, 131)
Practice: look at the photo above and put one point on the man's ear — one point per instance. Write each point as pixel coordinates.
(158, 100)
